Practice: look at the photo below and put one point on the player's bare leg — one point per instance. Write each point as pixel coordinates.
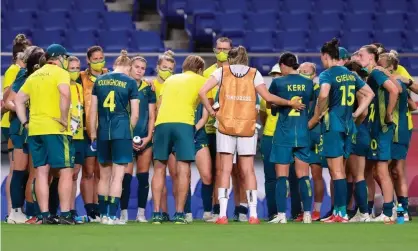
(224, 185)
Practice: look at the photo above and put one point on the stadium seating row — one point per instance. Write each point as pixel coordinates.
(53, 5)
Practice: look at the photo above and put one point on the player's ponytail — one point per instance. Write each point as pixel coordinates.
(290, 60)
(20, 43)
(331, 48)
(238, 55)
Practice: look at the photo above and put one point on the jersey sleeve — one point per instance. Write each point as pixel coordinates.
(258, 79)
(217, 74)
(403, 72)
(152, 97)
(94, 91)
(63, 78)
(133, 92)
(359, 82)
(324, 78)
(10, 76)
(273, 87)
(379, 77)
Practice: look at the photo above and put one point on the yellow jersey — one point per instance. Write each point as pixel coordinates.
(77, 110)
(42, 89)
(158, 87)
(271, 120)
(179, 98)
(9, 78)
(209, 126)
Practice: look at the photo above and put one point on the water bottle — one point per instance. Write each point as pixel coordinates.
(137, 140)
(401, 214)
(93, 146)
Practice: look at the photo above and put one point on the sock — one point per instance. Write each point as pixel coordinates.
(96, 208)
(143, 189)
(89, 207)
(103, 205)
(270, 187)
(387, 209)
(37, 210)
(282, 192)
(207, 191)
(113, 206)
(361, 196)
(340, 196)
(73, 212)
(305, 193)
(66, 214)
(370, 205)
(141, 211)
(236, 210)
(216, 209)
(223, 201)
(404, 201)
(317, 206)
(30, 209)
(350, 186)
(16, 188)
(126, 191)
(188, 203)
(45, 215)
(54, 199)
(252, 202)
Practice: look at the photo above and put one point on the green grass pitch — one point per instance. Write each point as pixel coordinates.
(200, 236)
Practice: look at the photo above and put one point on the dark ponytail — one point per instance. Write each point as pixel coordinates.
(289, 59)
(331, 48)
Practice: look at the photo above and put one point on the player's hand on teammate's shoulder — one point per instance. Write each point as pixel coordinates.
(150, 83)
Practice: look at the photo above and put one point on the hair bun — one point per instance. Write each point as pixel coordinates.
(20, 38)
(124, 53)
(169, 53)
(335, 41)
(394, 53)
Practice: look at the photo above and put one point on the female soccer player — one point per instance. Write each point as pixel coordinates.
(112, 93)
(144, 129)
(381, 126)
(250, 81)
(403, 130)
(338, 89)
(77, 124)
(90, 170)
(19, 138)
(20, 43)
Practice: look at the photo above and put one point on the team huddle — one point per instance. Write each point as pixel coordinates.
(60, 120)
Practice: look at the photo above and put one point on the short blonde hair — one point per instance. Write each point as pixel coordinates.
(238, 55)
(193, 63)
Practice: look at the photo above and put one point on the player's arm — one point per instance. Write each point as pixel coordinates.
(6, 93)
(412, 106)
(270, 98)
(134, 111)
(365, 96)
(208, 86)
(201, 123)
(65, 102)
(322, 102)
(93, 117)
(390, 76)
(151, 120)
(9, 101)
(412, 85)
(393, 91)
(20, 106)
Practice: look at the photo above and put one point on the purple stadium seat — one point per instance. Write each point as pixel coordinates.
(118, 21)
(262, 21)
(231, 6)
(297, 6)
(147, 41)
(44, 38)
(390, 22)
(294, 22)
(79, 41)
(354, 40)
(25, 5)
(330, 6)
(231, 24)
(57, 5)
(391, 40)
(60, 22)
(114, 41)
(90, 5)
(361, 6)
(412, 22)
(85, 21)
(18, 21)
(358, 22)
(259, 41)
(327, 22)
(397, 6)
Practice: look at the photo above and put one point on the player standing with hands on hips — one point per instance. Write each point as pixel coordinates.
(112, 94)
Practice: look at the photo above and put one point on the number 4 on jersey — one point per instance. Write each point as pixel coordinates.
(109, 102)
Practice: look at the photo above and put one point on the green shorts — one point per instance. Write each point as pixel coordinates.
(285, 155)
(399, 151)
(177, 135)
(20, 141)
(80, 149)
(5, 132)
(55, 150)
(118, 151)
(336, 144)
(88, 152)
(381, 144)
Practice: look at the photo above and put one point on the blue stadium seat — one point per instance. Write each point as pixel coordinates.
(294, 22)
(7, 37)
(179, 64)
(231, 24)
(44, 38)
(200, 26)
(330, 6)
(151, 65)
(90, 5)
(198, 7)
(390, 22)
(358, 22)
(25, 5)
(231, 6)
(85, 21)
(412, 20)
(412, 39)
(391, 6)
(297, 6)
(413, 62)
(18, 21)
(354, 40)
(60, 21)
(317, 39)
(114, 41)
(118, 21)
(327, 22)
(79, 41)
(262, 21)
(147, 41)
(362, 6)
(259, 41)
(391, 40)
(292, 41)
(414, 7)
(172, 10)
(57, 5)
(266, 6)
(263, 64)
